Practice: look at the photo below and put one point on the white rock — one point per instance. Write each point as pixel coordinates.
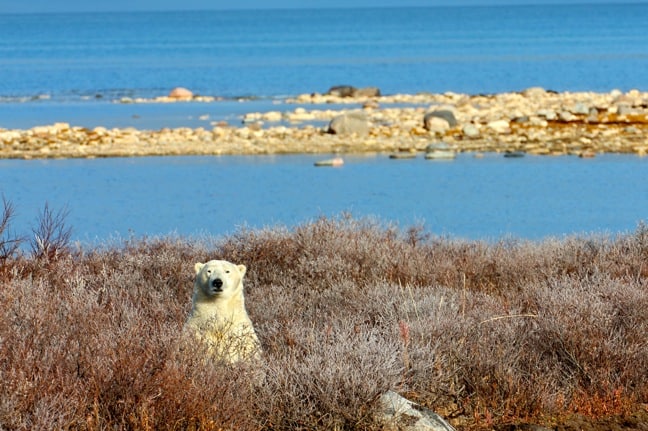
(437, 125)
(470, 131)
(548, 114)
(272, 116)
(499, 126)
(401, 413)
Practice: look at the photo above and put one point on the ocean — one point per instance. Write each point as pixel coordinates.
(274, 53)
(73, 67)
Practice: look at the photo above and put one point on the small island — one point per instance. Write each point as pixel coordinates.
(533, 121)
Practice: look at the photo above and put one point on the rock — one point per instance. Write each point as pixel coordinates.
(538, 122)
(367, 92)
(180, 93)
(436, 125)
(446, 114)
(548, 114)
(350, 91)
(399, 413)
(273, 116)
(624, 109)
(352, 122)
(370, 104)
(534, 92)
(341, 91)
(580, 109)
(439, 151)
(499, 126)
(566, 116)
(334, 162)
(470, 131)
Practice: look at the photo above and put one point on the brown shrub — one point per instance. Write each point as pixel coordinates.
(345, 309)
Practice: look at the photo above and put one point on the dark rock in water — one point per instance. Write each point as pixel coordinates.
(403, 155)
(336, 161)
(352, 122)
(351, 91)
(341, 91)
(513, 154)
(441, 113)
(367, 92)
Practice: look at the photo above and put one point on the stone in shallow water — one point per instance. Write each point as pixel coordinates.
(180, 93)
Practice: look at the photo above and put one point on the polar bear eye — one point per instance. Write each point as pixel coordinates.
(227, 271)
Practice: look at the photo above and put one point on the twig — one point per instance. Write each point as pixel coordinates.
(510, 316)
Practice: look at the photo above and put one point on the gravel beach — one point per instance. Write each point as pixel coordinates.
(534, 121)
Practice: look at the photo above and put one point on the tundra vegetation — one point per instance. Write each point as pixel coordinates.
(487, 334)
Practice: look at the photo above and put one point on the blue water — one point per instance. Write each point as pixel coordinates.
(70, 68)
(274, 53)
(531, 197)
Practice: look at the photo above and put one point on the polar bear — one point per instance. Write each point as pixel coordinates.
(218, 317)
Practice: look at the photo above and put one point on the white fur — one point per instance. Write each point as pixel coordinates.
(218, 316)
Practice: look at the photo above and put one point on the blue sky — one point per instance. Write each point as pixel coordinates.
(36, 6)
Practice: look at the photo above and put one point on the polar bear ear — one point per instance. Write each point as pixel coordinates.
(198, 266)
(241, 269)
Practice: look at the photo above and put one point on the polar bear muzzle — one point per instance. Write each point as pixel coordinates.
(218, 284)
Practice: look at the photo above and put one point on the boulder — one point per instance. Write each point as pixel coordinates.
(341, 91)
(399, 413)
(446, 114)
(499, 126)
(548, 114)
(350, 123)
(350, 91)
(367, 92)
(566, 116)
(580, 108)
(436, 125)
(534, 92)
(470, 131)
(180, 93)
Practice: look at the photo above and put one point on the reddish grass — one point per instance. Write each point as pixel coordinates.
(483, 333)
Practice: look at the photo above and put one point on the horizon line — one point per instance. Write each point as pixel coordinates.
(510, 3)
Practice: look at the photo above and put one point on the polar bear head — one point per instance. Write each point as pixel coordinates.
(219, 279)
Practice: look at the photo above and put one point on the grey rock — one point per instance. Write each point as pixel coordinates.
(341, 91)
(367, 92)
(399, 413)
(441, 113)
(352, 122)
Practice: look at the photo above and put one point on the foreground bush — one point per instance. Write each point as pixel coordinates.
(482, 333)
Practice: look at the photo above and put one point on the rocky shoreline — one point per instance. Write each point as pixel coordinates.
(534, 121)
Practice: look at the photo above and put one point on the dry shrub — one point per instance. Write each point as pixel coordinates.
(345, 309)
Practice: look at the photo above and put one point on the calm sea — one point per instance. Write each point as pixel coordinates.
(286, 52)
(531, 197)
(72, 67)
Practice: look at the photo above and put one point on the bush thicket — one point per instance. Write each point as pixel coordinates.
(484, 333)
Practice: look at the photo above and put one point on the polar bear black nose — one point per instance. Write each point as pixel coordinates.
(217, 283)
